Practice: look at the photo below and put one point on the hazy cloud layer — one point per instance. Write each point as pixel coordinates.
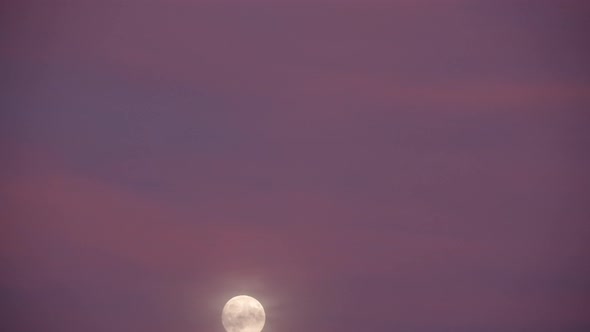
(417, 166)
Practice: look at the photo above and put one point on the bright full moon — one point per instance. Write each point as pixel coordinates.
(243, 314)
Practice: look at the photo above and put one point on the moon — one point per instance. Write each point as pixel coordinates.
(243, 314)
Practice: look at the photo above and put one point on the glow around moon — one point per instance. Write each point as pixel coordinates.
(243, 314)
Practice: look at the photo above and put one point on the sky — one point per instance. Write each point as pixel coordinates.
(416, 166)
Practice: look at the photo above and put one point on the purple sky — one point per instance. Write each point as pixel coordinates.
(415, 166)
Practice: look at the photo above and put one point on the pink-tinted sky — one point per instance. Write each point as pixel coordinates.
(355, 165)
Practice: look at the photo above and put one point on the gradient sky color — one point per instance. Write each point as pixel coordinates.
(355, 165)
